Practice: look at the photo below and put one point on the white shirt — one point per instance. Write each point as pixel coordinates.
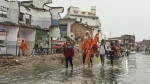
(77, 46)
(102, 49)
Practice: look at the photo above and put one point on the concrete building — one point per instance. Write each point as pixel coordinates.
(33, 15)
(30, 20)
(129, 41)
(145, 44)
(9, 22)
(126, 40)
(85, 17)
(65, 28)
(54, 29)
(73, 29)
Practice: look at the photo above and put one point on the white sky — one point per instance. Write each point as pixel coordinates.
(117, 16)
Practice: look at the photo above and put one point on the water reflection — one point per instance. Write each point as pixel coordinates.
(112, 75)
(128, 70)
(88, 73)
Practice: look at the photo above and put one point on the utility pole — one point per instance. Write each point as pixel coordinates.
(110, 34)
(18, 30)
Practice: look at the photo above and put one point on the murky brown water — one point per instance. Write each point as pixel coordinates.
(134, 69)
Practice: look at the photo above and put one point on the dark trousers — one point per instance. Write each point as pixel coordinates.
(111, 58)
(84, 56)
(70, 60)
(102, 57)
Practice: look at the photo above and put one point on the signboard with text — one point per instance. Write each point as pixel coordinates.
(83, 13)
(3, 31)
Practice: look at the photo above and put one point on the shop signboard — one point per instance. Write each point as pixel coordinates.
(3, 31)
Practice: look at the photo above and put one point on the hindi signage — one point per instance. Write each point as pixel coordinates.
(83, 13)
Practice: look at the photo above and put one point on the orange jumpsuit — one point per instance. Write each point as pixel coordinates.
(23, 46)
(87, 46)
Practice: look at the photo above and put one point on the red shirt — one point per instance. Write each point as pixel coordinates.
(23, 46)
(68, 52)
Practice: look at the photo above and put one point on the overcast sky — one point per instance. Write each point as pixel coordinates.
(117, 16)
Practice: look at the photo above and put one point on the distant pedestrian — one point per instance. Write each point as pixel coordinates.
(68, 53)
(23, 47)
(77, 46)
(102, 52)
(112, 52)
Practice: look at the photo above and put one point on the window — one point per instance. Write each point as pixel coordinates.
(93, 18)
(21, 17)
(3, 15)
(80, 19)
(132, 45)
(63, 29)
(28, 20)
(1, 41)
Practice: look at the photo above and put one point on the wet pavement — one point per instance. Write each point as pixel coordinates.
(134, 69)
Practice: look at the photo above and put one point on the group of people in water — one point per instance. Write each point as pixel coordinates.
(89, 47)
(112, 51)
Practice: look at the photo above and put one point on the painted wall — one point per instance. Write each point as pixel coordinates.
(11, 39)
(55, 12)
(29, 36)
(79, 30)
(42, 34)
(55, 32)
(39, 3)
(41, 18)
(44, 39)
(11, 9)
(86, 20)
(2, 37)
(69, 23)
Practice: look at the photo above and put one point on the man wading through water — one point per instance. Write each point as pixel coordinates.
(68, 53)
(87, 46)
(102, 52)
(112, 52)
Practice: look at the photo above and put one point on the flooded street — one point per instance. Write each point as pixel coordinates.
(134, 69)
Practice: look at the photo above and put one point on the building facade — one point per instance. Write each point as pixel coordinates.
(73, 29)
(9, 22)
(86, 17)
(30, 20)
(127, 41)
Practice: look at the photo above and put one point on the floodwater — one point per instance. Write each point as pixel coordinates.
(134, 69)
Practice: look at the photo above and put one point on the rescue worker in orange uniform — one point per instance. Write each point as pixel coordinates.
(86, 47)
(23, 47)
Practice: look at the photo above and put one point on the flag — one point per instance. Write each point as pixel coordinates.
(89, 52)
